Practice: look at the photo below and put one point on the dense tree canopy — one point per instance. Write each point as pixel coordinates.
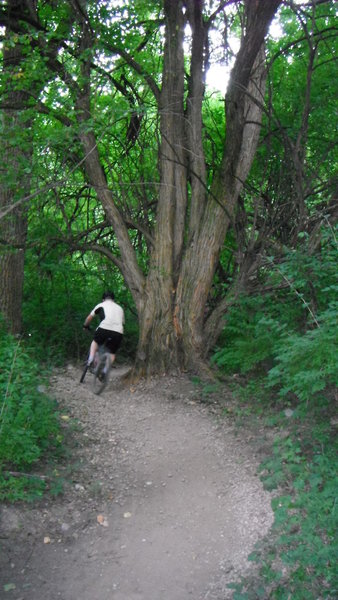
(131, 171)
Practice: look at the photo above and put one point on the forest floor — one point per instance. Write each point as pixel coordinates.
(161, 499)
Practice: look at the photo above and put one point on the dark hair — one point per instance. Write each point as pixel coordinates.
(106, 295)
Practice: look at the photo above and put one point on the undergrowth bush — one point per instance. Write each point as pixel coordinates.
(28, 419)
(59, 292)
(284, 344)
(299, 558)
(306, 364)
(305, 519)
(290, 333)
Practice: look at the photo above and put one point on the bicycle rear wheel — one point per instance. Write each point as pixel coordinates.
(101, 373)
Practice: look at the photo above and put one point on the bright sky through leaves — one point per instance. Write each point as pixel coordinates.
(218, 74)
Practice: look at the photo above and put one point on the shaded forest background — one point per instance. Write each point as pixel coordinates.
(213, 217)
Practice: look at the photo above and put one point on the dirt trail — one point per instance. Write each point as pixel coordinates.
(162, 502)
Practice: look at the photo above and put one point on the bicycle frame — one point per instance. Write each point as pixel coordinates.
(102, 366)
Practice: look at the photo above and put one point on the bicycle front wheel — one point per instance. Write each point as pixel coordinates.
(101, 374)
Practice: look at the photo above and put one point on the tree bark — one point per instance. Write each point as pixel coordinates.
(244, 101)
(172, 323)
(21, 92)
(188, 235)
(16, 151)
(171, 299)
(157, 348)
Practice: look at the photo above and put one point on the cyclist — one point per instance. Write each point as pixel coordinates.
(110, 330)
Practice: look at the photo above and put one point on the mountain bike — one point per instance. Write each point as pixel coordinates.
(100, 368)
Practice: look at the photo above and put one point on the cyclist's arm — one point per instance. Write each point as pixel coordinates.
(88, 321)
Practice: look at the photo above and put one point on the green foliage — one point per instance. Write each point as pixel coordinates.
(285, 346)
(28, 419)
(290, 333)
(307, 363)
(59, 293)
(298, 558)
(249, 337)
(20, 487)
(306, 518)
(289, 78)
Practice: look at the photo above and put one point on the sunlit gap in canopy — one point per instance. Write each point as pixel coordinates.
(218, 74)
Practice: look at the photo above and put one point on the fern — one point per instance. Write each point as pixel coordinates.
(306, 364)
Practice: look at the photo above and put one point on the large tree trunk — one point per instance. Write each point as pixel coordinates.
(174, 314)
(16, 151)
(191, 219)
(157, 349)
(202, 255)
(22, 90)
(13, 230)
(188, 237)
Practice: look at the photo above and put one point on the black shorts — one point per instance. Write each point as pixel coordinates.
(111, 339)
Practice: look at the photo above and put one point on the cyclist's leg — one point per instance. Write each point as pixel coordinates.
(99, 338)
(112, 358)
(93, 349)
(113, 343)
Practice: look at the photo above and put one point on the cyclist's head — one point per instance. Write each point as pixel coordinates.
(109, 294)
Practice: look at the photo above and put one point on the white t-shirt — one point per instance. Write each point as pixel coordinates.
(112, 315)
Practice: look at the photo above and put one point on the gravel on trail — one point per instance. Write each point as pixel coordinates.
(161, 500)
